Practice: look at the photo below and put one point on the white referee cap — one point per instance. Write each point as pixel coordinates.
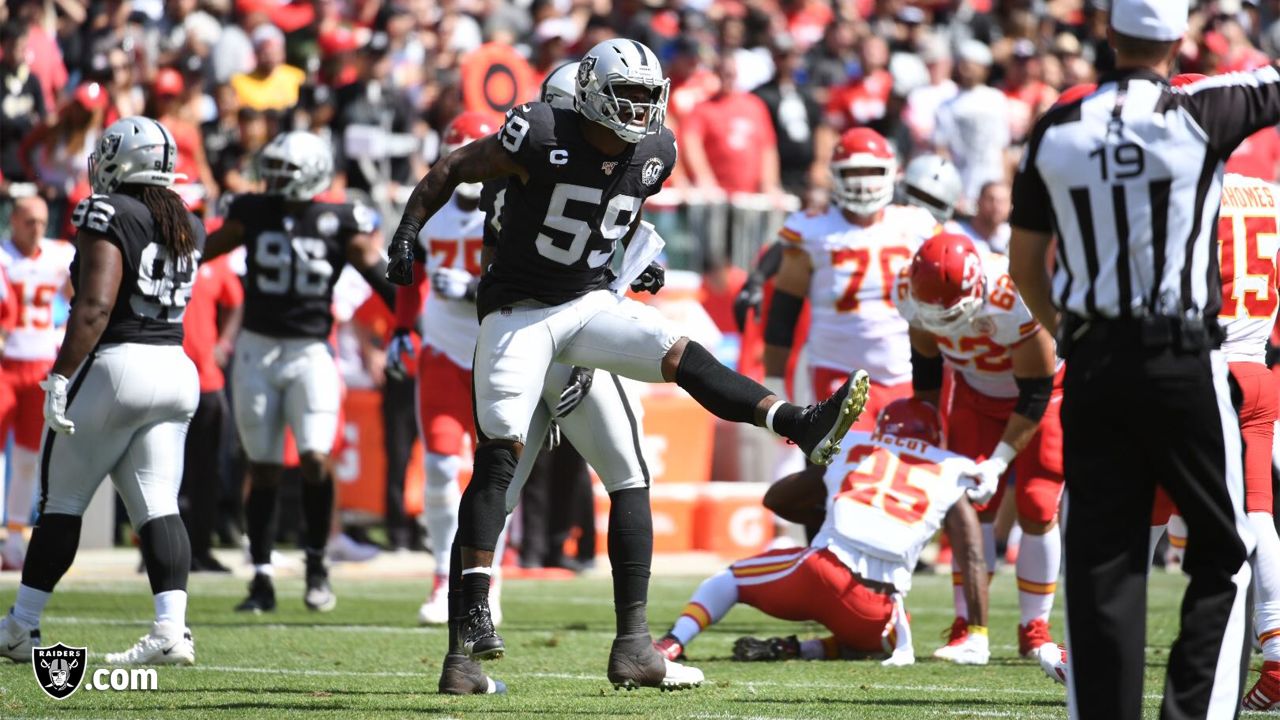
(1157, 20)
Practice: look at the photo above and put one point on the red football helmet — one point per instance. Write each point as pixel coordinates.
(863, 171)
(466, 128)
(911, 418)
(947, 283)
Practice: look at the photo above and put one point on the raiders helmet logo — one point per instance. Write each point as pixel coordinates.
(109, 146)
(586, 71)
(652, 171)
(59, 669)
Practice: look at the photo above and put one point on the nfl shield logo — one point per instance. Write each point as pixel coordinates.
(59, 669)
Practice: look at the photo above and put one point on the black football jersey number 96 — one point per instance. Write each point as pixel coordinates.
(557, 232)
(155, 286)
(293, 258)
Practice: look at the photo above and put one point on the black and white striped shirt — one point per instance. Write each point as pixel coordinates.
(1129, 178)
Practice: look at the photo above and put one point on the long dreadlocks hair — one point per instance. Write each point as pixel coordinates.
(169, 217)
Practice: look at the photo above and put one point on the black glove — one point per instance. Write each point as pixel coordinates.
(575, 391)
(750, 297)
(651, 280)
(400, 253)
(399, 354)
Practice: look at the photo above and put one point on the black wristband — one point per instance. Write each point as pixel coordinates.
(926, 372)
(1033, 396)
(406, 232)
(784, 311)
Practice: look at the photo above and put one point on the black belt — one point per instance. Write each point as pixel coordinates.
(1182, 334)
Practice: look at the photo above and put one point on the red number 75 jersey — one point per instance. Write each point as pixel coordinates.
(886, 497)
(1248, 240)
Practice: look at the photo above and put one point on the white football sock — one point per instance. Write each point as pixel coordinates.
(440, 505)
(171, 608)
(20, 495)
(1266, 585)
(30, 605)
(1039, 559)
(1156, 532)
(710, 602)
(268, 569)
(1177, 534)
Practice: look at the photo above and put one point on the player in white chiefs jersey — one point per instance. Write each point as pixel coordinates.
(963, 307)
(878, 506)
(845, 261)
(39, 271)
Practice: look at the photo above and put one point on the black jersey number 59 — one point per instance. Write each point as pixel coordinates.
(579, 230)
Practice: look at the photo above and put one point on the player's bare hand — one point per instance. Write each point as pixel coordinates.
(399, 354)
(55, 404)
(575, 391)
(651, 280)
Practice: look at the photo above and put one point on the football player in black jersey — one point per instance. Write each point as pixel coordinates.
(122, 391)
(285, 374)
(578, 181)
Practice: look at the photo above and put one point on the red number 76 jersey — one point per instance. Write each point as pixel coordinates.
(886, 497)
(1248, 240)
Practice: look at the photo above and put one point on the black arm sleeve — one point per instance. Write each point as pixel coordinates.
(769, 263)
(1033, 396)
(780, 327)
(1230, 108)
(376, 276)
(926, 372)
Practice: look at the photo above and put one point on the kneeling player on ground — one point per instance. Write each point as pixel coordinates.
(883, 501)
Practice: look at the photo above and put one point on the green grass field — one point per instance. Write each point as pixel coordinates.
(367, 659)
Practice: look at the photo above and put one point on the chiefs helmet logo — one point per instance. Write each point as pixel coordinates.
(972, 272)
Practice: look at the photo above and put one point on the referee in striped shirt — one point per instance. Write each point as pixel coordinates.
(1129, 180)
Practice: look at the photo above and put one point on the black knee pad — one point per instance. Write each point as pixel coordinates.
(483, 510)
(166, 551)
(52, 550)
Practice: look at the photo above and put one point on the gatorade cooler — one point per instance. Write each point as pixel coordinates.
(730, 519)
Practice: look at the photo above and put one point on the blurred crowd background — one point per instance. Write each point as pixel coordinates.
(759, 91)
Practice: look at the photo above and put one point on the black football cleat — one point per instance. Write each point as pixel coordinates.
(480, 641)
(262, 596)
(826, 423)
(463, 676)
(749, 649)
(634, 663)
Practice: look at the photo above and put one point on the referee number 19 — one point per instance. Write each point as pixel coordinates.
(1248, 274)
(1128, 160)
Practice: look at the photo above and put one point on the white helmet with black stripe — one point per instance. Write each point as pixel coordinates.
(297, 165)
(621, 86)
(561, 86)
(134, 150)
(933, 183)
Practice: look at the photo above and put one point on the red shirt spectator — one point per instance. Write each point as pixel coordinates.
(729, 140)
(863, 101)
(216, 287)
(1258, 156)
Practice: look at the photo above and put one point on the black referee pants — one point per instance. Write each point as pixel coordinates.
(1133, 417)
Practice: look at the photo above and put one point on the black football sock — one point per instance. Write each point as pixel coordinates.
(728, 395)
(52, 550)
(317, 506)
(482, 512)
(166, 551)
(455, 595)
(787, 421)
(631, 555)
(260, 517)
(475, 588)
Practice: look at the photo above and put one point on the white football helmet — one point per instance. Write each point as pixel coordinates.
(297, 165)
(134, 150)
(608, 68)
(561, 86)
(933, 183)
